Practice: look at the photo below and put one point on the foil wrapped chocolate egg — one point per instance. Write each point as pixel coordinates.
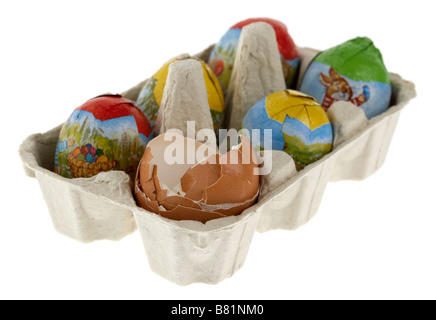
(223, 55)
(105, 133)
(150, 96)
(291, 121)
(210, 186)
(352, 71)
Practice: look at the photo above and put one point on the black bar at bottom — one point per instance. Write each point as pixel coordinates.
(219, 309)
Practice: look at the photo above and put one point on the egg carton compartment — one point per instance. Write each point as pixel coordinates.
(84, 209)
(184, 252)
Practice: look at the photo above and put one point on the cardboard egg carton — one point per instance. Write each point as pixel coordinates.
(184, 252)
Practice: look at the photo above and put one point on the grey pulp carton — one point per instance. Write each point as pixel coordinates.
(184, 252)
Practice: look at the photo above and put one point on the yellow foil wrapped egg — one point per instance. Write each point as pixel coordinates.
(150, 96)
(298, 125)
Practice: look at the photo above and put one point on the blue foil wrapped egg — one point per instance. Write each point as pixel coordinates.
(291, 121)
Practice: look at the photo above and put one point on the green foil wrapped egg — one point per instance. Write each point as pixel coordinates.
(352, 71)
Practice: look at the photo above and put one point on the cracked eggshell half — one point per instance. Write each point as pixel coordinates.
(198, 183)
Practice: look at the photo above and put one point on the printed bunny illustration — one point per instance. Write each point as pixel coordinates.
(339, 89)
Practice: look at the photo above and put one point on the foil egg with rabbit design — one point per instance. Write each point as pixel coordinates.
(352, 71)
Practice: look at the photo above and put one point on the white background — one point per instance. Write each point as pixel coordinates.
(373, 239)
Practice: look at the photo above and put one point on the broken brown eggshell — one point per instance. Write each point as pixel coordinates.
(213, 186)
